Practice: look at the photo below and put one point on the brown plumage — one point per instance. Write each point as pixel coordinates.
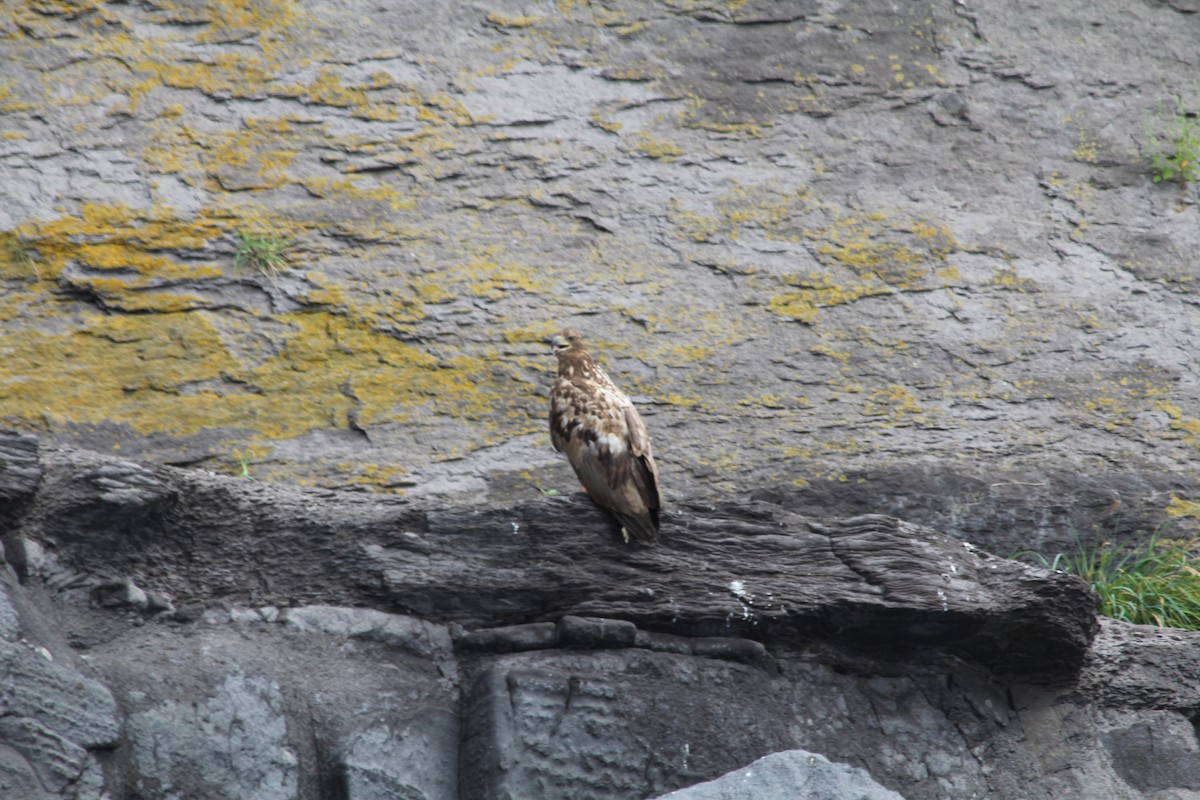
(604, 438)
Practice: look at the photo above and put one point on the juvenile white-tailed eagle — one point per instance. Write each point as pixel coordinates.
(596, 425)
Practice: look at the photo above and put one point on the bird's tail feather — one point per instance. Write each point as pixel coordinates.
(637, 529)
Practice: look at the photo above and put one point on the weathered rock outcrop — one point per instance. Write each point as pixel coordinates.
(178, 633)
(790, 774)
(753, 571)
(860, 262)
(901, 260)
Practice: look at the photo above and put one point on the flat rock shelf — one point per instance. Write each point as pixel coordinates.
(371, 646)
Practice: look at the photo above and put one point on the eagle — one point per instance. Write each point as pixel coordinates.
(604, 438)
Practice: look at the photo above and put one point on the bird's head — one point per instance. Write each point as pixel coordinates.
(567, 341)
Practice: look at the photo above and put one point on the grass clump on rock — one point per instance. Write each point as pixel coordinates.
(17, 256)
(263, 253)
(1153, 583)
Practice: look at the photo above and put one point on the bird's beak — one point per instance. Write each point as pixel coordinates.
(557, 343)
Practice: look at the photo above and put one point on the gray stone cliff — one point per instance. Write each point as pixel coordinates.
(333, 644)
(876, 258)
(891, 283)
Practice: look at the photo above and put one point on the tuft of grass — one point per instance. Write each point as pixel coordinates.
(244, 463)
(263, 253)
(1173, 146)
(18, 256)
(1154, 583)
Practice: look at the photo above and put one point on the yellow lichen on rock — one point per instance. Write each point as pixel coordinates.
(867, 255)
(173, 372)
(137, 370)
(1183, 509)
(1180, 424)
(894, 401)
(183, 365)
(114, 238)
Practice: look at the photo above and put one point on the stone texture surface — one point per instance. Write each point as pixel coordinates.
(790, 775)
(754, 571)
(902, 260)
(517, 653)
(852, 258)
(257, 708)
(56, 722)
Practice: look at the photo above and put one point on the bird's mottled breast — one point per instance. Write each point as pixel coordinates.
(588, 410)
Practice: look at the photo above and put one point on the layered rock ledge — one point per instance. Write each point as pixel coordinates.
(754, 571)
(389, 649)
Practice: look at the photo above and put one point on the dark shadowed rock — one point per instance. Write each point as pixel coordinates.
(887, 587)
(55, 722)
(273, 711)
(562, 724)
(1155, 752)
(20, 467)
(511, 638)
(1141, 666)
(341, 645)
(595, 633)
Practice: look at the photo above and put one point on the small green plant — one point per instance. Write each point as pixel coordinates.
(1155, 583)
(263, 253)
(17, 255)
(1173, 146)
(244, 462)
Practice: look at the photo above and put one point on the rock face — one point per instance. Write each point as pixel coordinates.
(793, 774)
(874, 273)
(53, 719)
(865, 260)
(269, 641)
(753, 571)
